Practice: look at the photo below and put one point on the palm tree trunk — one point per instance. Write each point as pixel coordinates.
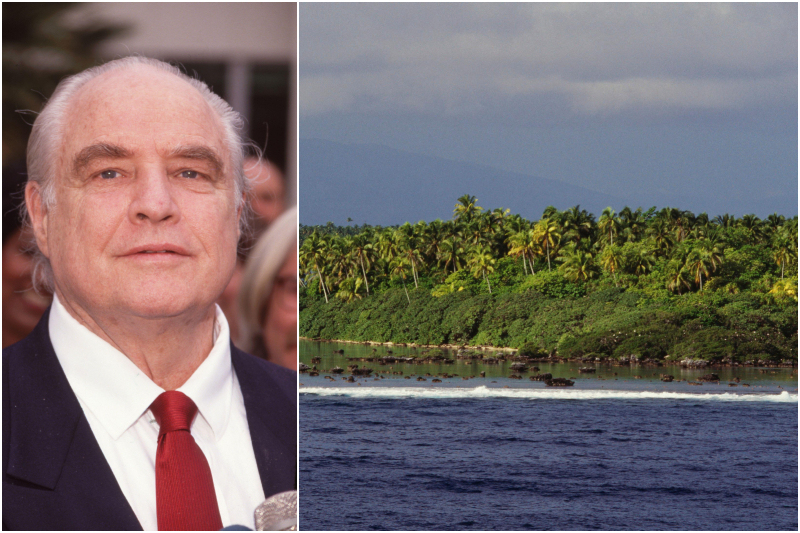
(404, 288)
(414, 271)
(487, 282)
(524, 264)
(324, 291)
(322, 282)
(547, 245)
(361, 259)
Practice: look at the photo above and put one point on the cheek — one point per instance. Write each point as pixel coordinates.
(279, 320)
(81, 227)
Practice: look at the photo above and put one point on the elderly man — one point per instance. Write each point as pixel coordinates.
(128, 407)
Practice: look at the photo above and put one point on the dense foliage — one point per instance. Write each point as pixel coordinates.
(648, 284)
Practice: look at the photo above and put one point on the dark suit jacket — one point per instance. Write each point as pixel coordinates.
(55, 476)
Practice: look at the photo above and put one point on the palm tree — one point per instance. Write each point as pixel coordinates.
(482, 263)
(409, 248)
(643, 260)
(676, 276)
(752, 224)
(312, 253)
(579, 266)
(634, 223)
(399, 267)
(547, 235)
(724, 221)
(551, 212)
(576, 224)
(388, 244)
(466, 208)
(610, 260)
(698, 263)
(784, 250)
(521, 245)
(661, 236)
(608, 224)
(339, 258)
(361, 247)
(433, 235)
(712, 247)
(348, 289)
(451, 253)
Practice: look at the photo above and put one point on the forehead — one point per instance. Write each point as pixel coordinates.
(143, 110)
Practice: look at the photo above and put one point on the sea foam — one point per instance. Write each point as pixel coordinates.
(541, 394)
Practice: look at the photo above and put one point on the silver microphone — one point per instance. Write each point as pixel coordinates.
(278, 512)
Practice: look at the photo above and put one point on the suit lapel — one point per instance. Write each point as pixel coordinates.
(270, 400)
(50, 446)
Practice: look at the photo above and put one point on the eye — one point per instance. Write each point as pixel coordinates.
(109, 174)
(191, 174)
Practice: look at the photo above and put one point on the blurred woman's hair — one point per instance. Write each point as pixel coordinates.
(263, 264)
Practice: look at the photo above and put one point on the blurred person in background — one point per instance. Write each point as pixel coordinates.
(268, 201)
(22, 306)
(268, 294)
(269, 191)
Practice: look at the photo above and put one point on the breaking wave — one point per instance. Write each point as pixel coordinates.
(539, 394)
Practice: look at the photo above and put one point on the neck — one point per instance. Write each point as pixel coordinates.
(167, 349)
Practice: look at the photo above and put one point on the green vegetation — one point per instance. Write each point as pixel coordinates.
(643, 284)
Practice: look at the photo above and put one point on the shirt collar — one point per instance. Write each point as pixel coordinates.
(118, 393)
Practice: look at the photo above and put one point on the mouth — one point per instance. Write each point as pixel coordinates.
(156, 249)
(157, 253)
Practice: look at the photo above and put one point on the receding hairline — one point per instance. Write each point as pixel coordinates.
(113, 150)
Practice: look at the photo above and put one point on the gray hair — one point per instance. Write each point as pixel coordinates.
(260, 271)
(50, 126)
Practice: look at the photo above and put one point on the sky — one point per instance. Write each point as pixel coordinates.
(695, 102)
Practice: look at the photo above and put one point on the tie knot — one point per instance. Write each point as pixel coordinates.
(174, 411)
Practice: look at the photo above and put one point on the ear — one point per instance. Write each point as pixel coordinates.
(38, 215)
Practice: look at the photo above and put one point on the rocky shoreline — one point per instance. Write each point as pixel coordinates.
(476, 353)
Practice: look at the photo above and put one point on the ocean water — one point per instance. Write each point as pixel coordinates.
(504, 454)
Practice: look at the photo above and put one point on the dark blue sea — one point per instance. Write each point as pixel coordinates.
(403, 456)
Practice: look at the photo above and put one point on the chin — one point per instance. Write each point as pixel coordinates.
(164, 306)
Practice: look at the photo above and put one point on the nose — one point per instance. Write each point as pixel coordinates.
(153, 198)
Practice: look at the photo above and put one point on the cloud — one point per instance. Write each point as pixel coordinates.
(467, 59)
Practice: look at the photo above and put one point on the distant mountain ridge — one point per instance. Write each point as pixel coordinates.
(377, 185)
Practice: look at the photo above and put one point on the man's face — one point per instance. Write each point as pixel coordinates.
(145, 220)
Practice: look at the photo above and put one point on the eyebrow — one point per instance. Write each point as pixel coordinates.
(200, 153)
(98, 151)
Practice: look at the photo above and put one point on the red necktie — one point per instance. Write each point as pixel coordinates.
(185, 497)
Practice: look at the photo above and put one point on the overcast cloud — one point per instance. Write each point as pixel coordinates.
(692, 104)
(587, 59)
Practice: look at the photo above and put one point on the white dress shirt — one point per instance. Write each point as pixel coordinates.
(115, 396)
